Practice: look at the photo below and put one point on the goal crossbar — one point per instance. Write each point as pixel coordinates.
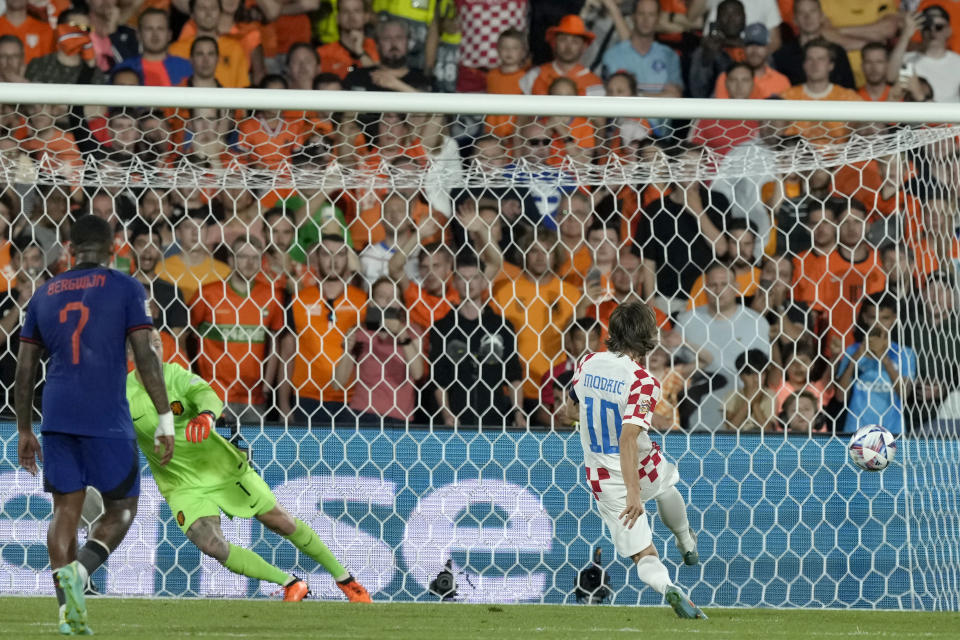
(492, 104)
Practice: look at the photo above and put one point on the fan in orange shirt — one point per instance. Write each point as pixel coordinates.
(817, 64)
(237, 320)
(673, 23)
(46, 143)
(756, 51)
(36, 36)
(876, 184)
(936, 245)
(505, 79)
(436, 294)
(574, 138)
(239, 22)
(321, 320)
(366, 229)
(875, 57)
(8, 275)
(602, 249)
(569, 39)
(629, 280)
(834, 284)
(233, 69)
(394, 137)
(278, 36)
(167, 306)
(540, 305)
(575, 219)
(269, 139)
(353, 49)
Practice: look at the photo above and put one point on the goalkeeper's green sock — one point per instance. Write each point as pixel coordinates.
(247, 563)
(306, 540)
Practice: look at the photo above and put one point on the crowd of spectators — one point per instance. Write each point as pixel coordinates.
(814, 302)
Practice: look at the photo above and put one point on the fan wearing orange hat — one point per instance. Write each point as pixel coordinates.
(569, 40)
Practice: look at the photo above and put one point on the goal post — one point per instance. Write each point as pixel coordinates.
(837, 223)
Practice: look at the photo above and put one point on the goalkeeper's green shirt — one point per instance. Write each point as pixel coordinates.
(210, 463)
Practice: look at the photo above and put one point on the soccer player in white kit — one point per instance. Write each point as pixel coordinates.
(615, 398)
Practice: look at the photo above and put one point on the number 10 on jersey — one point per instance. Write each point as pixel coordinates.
(608, 442)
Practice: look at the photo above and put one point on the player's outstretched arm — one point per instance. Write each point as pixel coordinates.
(25, 380)
(629, 465)
(151, 373)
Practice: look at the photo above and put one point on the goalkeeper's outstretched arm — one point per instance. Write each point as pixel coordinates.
(202, 396)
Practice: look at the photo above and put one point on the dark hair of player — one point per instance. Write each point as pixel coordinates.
(93, 234)
(633, 328)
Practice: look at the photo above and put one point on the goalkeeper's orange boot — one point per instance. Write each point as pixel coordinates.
(296, 590)
(354, 590)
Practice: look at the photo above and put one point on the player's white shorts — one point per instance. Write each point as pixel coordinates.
(656, 474)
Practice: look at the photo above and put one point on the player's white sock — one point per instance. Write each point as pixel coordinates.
(654, 573)
(673, 513)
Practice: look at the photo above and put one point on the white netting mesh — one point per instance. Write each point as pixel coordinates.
(363, 239)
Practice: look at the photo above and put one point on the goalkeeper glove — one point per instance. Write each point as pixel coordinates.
(198, 429)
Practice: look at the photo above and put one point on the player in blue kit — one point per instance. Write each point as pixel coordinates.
(82, 318)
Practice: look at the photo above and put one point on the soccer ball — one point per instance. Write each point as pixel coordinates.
(872, 448)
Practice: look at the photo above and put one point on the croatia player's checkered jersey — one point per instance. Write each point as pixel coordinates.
(611, 389)
(83, 317)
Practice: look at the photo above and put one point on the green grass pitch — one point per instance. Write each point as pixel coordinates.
(167, 618)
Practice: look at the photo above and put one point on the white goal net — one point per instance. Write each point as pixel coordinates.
(389, 301)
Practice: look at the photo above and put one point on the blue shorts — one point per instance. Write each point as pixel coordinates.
(72, 463)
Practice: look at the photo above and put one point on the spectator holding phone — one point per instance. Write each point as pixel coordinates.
(386, 355)
(933, 61)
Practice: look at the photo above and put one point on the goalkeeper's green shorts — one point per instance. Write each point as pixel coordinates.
(244, 496)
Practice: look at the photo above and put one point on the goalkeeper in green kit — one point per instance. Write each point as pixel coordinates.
(209, 475)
